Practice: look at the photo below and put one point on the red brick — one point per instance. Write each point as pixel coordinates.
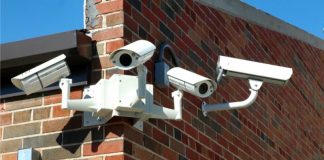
(5, 119)
(192, 143)
(93, 158)
(10, 146)
(223, 34)
(103, 147)
(254, 146)
(169, 154)
(41, 113)
(127, 8)
(118, 157)
(177, 146)
(70, 152)
(115, 18)
(233, 149)
(133, 134)
(52, 99)
(222, 141)
(21, 130)
(110, 6)
(147, 129)
(131, 23)
(184, 139)
(56, 96)
(114, 130)
(191, 131)
(62, 124)
(151, 17)
(11, 156)
(204, 139)
(161, 137)
(113, 45)
(2, 106)
(59, 112)
(156, 10)
(140, 19)
(228, 155)
(22, 116)
(76, 93)
(97, 25)
(23, 103)
(109, 33)
(191, 154)
(101, 62)
(142, 153)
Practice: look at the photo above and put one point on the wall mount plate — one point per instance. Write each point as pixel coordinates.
(139, 124)
(93, 118)
(115, 97)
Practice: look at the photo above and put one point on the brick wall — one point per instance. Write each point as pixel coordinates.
(284, 122)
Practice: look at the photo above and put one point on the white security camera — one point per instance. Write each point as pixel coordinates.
(191, 82)
(42, 75)
(234, 67)
(255, 72)
(133, 55)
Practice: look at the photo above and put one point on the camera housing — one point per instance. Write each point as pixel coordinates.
(255, 72)
(133, 54)
(191, 82)
(42, 75)
(234, 67)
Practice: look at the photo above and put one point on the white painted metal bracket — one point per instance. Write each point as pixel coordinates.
(255, 85)
(119, 96)
(94, 118)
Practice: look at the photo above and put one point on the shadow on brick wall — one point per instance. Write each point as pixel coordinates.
(73, 135)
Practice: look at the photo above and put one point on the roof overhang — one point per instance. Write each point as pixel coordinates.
(18, 57)
(74, 44)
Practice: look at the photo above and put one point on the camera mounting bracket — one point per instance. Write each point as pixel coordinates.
(255, 85)
(118, 96)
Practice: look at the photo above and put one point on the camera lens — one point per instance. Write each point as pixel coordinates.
(203, 88)
(125, 60)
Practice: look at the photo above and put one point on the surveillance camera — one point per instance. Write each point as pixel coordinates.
(234, 67)
(132, 55)
(191, 82)
(42, 75)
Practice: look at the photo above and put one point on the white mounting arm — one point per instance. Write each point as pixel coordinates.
(255, 85)
(177, 102)
(121, 95)
(77, 104)
(142, 73)
(141, 91)
(168, 113)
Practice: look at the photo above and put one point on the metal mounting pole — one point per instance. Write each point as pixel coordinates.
(142, 73)
(77, 104)
(255, 85)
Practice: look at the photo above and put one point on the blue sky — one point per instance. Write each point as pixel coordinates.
(305, 14)
(21, 19)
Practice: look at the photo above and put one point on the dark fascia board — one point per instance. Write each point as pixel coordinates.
(18, 57)
(74, 44)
